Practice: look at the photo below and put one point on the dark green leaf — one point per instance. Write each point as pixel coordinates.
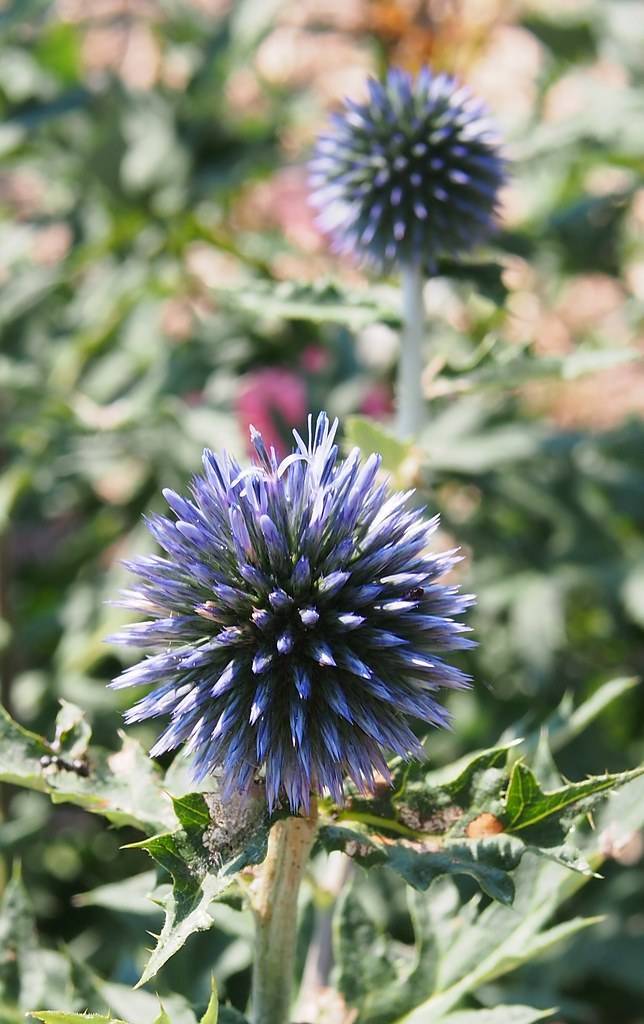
(371, 976)
(419, 863)
(229, 1015)
(365, 967)
(487, 277)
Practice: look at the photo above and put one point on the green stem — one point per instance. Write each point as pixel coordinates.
(411, 404)
(275, 910)
(388, 824)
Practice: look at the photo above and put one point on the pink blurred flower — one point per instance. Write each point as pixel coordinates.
(378, 402)
(271, 398)
(314, 359)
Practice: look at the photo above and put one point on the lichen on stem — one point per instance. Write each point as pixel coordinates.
(274, 905)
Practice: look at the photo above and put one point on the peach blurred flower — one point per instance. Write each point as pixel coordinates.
(591, 302)
(131, 51)
(511, 54)
(244, 95)
(625, 847)
(343, 15)
(212, 267)
(570, 94)
(634, 278)
(602, 401)
(329, 63)
(282, 202)
(24, 190)
(177, 319)
(213, 8)
(101, 10)
(447, 33)
(51, 244)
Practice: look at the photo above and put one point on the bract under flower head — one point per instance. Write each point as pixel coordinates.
(298, 616)
(409, 175)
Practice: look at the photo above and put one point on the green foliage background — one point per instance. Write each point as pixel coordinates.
(142, 280)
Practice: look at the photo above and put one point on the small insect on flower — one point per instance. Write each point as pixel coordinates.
(299, 618)
(411, 174)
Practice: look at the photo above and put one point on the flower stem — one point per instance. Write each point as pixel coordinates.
(411, 404)
(275, 910)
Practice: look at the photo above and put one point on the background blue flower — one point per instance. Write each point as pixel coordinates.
(411, 174)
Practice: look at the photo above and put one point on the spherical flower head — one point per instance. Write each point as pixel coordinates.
(410, 175)
(298, 616)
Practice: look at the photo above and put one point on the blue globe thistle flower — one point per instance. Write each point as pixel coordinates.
(411, 174)
(298, 616)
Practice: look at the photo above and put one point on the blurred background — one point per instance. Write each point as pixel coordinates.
(163, 285)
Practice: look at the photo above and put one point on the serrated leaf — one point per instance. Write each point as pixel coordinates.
(325, 303)
(138, 1007)
(440, 803)
(186, 912)
(125, 786)
(201, 870)
(500, 939)
(528, 807)
(479, 822)
(487, 861)
(512, 371)
(437, 803)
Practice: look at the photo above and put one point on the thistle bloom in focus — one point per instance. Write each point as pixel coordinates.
(411, 174)
(298, 617)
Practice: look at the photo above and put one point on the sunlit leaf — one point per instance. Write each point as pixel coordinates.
(326, 303)
(124, 786)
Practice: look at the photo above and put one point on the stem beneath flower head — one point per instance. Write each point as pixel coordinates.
(411, 404)
(275, 910)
